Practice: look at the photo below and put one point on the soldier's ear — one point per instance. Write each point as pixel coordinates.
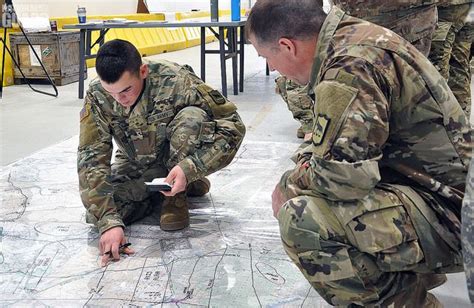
(143, 71)
(287, 45)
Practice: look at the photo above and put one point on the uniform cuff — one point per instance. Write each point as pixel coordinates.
(307, 127)
(189, 169)
(109, 222)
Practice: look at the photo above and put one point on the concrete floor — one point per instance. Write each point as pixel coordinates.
(48, 254)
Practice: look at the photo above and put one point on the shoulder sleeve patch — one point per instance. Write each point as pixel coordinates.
(85, 112)
(218, 104)
(89, 133)
(333, 99)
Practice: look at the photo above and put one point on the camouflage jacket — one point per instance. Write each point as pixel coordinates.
(445, 3)
(143, 137)
(364, 8)
(384, 114)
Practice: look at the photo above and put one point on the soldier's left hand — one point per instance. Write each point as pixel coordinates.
(278, 199)
(177, 178)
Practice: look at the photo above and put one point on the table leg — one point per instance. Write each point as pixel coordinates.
(88, 44)
(4, 41)
(233, 46)
(203, 54)
(222, 58)
(102, 35)
(82, 62)
(241, 61)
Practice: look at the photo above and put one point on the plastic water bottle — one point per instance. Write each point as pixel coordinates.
(81, 15)
(235, 10)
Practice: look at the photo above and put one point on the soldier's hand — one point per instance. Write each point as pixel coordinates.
(177, 178)
(109, 245)
(278, 199)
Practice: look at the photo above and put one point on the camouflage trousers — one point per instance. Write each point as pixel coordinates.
(298, 101)
(450, 51)
(131, 197)
(371, 252)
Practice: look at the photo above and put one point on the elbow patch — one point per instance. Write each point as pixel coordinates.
(219, 105)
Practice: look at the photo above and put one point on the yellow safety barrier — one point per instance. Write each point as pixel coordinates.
(193, 35)
(149, 41)
(8, 71)
(61, 21)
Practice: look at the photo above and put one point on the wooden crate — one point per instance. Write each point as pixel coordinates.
(59, 52)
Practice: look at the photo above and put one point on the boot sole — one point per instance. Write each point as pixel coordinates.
(438, 282)
(174, 226)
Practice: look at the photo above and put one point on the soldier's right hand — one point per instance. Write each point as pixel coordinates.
(178, 179)
(109, 245)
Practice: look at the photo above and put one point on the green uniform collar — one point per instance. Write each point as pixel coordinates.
(325, 35)
(139, 98)
(141, 104)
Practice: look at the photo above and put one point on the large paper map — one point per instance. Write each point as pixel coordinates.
(230, 256)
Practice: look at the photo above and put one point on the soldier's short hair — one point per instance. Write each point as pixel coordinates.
(115, 58)
(270, 20)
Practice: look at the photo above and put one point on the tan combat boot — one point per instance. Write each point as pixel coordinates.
(432, 280)
(198, 188)
(416, 294)
(174, 213)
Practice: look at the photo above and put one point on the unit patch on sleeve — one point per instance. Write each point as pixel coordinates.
(321, 125)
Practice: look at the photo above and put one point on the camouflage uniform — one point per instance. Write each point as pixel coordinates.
(414, 20)
(298, 102)
(468, 231)
(374, 202)
(450, 49)
(178, 120)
